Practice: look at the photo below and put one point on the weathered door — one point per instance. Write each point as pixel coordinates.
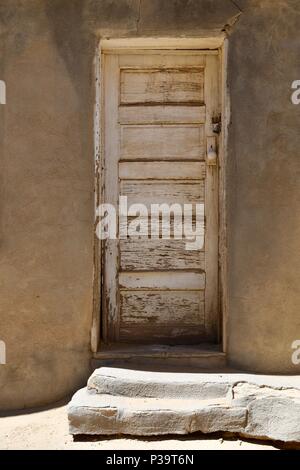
(159, 109)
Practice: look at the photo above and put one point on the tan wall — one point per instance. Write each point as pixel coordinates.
(47, 167)
(264, 188)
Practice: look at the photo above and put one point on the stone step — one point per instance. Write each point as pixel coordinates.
(145, 402)
(91, 413)
(153, 384)
(203, 385)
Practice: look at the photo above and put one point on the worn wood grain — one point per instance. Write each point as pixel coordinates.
(172, 85)
(148, 255)
(162, 114)
(161, 59)
(166, 192)
(154, 142)
(163, 315)
(111, 195)
(162, 170)
(211, 200)
(168, 227)
(162, 280)
(164, 307)
(155, 145)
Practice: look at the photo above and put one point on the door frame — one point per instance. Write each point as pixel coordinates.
(129, 45)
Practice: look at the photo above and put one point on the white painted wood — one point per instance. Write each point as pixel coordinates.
(98, 156)
(142, 319)
(173, 85)
(170, 114)
(225, 107)
(211, 88)
(162, 335)
(162, 142)
(162, 170)
(173, 226)
(163, 60)
(111, 194)
(168, 192)
(148, 255)
(162, 280)
(181, 307)
(202, 42)
(152, 156)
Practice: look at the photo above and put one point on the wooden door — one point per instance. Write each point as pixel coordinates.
(158, 112)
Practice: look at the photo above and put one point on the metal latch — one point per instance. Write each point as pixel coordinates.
(216, 124)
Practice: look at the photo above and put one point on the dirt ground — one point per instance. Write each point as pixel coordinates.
(48, 429)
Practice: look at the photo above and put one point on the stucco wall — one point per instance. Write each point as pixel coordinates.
(47, 177)
(264, 187)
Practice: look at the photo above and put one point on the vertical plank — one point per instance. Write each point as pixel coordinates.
(211, 93)
(98, 133)
(225, 106)
(112, 150)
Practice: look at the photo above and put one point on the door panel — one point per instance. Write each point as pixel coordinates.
(157, 142)
(162, 280)
(173, 85)
(161, 114)
(157, 192)
(158, 113)
(162, 170)
(183, 315)
(143, 254)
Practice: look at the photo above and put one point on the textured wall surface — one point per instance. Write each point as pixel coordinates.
(264, 187)
(47, 177)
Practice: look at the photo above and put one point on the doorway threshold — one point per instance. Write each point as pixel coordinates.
(203, 356)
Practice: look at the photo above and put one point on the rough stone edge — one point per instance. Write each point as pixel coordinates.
(215, 385)
(267, 417)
